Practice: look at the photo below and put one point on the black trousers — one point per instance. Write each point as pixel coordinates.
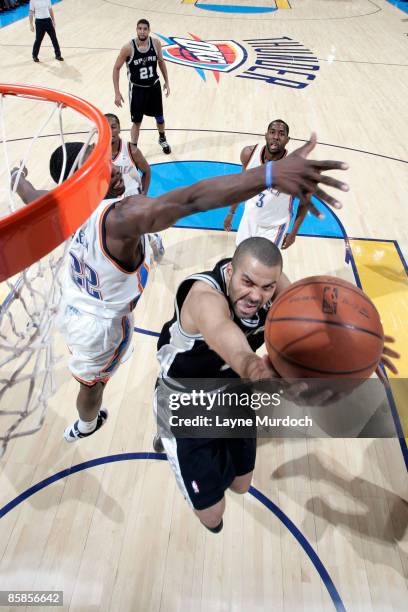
(43, 26)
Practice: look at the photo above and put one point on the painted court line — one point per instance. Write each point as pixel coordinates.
(384, 279)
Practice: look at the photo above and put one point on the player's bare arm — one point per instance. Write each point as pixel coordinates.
(124, 53)
(291, 237)
(245, 157)
(294, 175)
(143, 165)
(25, 190)
(162, 66)
(205, 311)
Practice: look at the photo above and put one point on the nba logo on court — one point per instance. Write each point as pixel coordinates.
(219, 56)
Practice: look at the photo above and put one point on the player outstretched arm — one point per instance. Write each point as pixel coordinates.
(206, 312)
(26, 190)
(294, 175)
(125, 52)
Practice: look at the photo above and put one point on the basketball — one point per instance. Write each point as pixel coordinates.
(324, 327)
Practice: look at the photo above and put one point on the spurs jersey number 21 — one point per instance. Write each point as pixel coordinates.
(142, 65)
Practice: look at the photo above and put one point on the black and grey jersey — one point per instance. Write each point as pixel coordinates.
(142, 65)
(182, 355)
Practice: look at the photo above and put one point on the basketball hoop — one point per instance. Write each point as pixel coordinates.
(29, 239)
(31, 232)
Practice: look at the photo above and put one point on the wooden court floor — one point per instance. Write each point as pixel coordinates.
(325, 526)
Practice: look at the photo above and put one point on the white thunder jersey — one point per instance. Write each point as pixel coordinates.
(128, 168)
(95, 283)
(270, 208)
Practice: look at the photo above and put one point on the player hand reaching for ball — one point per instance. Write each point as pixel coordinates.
(387, 355)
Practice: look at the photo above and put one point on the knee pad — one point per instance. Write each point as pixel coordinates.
(160, 119)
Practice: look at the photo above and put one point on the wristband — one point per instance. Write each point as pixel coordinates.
(268, 174)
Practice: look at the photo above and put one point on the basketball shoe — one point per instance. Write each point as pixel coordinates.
(72, 433)
(164, 145)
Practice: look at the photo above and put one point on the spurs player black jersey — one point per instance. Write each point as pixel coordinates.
(142, 65)
(182, 355)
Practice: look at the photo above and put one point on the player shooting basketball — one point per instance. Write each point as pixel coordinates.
(109, 258)
(217, 326)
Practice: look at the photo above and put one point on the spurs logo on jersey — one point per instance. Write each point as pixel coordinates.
(182, 355)
(142, 65)
(95, 281)
(131, 176)
(270, 208)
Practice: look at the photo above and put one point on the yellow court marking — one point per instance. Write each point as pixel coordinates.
(189, 1)
(384, 279)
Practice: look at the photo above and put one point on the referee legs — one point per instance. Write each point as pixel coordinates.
(43, 26)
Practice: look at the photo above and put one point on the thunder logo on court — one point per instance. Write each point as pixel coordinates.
(278, 61)
(216, 56)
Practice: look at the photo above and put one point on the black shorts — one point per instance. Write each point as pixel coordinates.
(145, 101)
(207, 467)
(204, 467)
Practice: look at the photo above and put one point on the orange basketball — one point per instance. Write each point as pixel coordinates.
(324, 327)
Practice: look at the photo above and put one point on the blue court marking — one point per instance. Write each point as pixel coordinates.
(223, 8)
(403, 6)
(171, 175)
(16, 14)
(297, 534)
(147, 332)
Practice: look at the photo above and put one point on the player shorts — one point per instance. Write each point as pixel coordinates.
(97, 345)
(248, 228)
(204, 467)
(145, 101)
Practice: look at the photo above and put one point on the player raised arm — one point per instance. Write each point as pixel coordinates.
(125, 52)
(294, 175)
(26, 190)
(207, 312)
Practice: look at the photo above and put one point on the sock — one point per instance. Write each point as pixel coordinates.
(162, 136)
(87, 426)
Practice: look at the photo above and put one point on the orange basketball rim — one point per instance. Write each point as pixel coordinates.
(35, 230)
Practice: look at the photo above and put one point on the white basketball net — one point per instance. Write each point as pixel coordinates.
(30, 301)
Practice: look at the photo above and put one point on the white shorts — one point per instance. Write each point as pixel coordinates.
(248, 228)
(97, 345)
